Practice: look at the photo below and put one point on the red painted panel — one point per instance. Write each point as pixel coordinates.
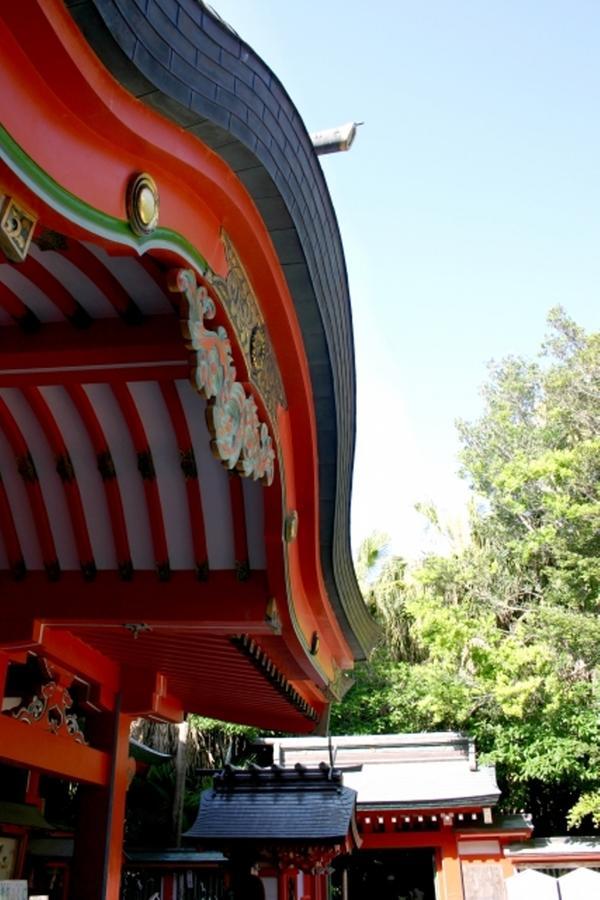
(51, 753)
(100, 137)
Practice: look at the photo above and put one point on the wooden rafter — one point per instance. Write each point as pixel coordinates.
(147, 472)
(28, 472)
(109, 477)
(94, 269)
(25, 318)
(66, 473)
(55, 291)
(190, 473)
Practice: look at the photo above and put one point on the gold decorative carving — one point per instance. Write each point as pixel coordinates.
(313, 858)
(142, 204)
(16, 230)
(290, 528)
(237, 296)
(239, 439)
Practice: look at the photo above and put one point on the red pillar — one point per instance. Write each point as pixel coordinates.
(284, 878)
(101, 818)
(308, 891)
(451, 885)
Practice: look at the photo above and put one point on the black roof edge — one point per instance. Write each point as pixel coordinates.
(180, 58)
(458, 803)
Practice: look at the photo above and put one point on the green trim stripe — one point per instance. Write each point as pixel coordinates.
(81, 213)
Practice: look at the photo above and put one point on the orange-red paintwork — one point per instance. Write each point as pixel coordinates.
(100, 137)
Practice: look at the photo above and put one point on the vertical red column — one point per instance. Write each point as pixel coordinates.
(101, 818)
(451, 882)
(308, 890)
(283, 884)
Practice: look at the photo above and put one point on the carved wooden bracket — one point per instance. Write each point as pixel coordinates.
(239, 439)
(48, 708)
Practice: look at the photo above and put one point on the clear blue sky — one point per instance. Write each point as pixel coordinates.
(469, 205)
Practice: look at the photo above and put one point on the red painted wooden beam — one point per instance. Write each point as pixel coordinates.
(133, 422)
(66, 473)
(145, 692)
(221, 605)
(110, 351)
(109, 477)
(28, 472)
(51, 753)
(66, 650)
(190, 474)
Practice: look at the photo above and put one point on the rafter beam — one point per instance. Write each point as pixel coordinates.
(109, 350)
(221, 605)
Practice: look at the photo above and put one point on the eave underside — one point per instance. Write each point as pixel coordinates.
(182, 60)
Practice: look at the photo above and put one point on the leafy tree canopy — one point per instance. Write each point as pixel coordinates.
(501, 637)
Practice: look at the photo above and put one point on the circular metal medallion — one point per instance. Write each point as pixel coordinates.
(142, 204)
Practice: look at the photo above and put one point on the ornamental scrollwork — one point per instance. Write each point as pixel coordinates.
(49, 709)
(239, 439)
(315, 858)
(239, 301)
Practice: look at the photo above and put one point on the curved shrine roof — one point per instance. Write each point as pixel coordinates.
(183, 60)
(275, 804)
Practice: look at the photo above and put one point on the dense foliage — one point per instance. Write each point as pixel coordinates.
(501, 637)
(151, 797)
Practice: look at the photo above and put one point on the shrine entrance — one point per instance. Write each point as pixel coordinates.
(390, 875)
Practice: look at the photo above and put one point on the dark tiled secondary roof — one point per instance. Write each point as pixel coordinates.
(144, 754)
(180, 58)
(275, 805)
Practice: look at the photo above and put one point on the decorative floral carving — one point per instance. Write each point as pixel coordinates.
(240, 440)
(313, 858)
(49, 709)
(236, 294)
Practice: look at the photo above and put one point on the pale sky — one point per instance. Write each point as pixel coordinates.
(469, 205)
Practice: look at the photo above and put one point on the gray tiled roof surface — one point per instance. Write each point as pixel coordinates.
(421, 785)
(322, 814)
(422, 770)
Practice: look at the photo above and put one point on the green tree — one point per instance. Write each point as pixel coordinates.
(500, 637)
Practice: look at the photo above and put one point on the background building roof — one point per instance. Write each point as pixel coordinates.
(425, 770)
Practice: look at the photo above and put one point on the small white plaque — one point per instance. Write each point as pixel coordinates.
(13, 890)
(479, 848)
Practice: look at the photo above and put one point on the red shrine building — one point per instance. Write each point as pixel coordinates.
(425, 815)
(176, 406)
